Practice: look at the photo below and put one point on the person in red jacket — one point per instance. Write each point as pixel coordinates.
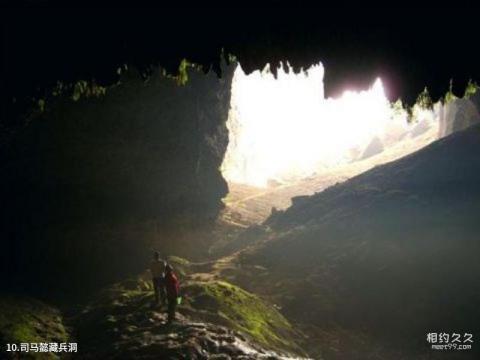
(172, 288)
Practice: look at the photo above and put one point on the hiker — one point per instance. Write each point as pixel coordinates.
(157, 267)
(172, 286)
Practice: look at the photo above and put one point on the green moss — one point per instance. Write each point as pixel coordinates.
(131, 286)
(471, 89)
(424, 100)
(251, 315)
(87, 89)
(450, 96)
(41, 105)
(178, 260)
(180, 265)
(182, 77)
(24, 320)
(124, 306)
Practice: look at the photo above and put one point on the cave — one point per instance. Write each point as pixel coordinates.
(294, 184)
(161, 158)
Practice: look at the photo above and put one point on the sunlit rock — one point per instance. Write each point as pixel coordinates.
(375, 147)
(458, 114)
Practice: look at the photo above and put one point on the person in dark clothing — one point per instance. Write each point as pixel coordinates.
(157, 268)
(172, 287)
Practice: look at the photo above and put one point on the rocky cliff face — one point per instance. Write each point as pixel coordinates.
(88, 183)
(459, 114)
(388, 254)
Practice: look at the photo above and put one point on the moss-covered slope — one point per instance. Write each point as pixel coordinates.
(25, 320)
(215, 319)
(242, 311)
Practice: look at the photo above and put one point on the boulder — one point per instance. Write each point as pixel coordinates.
(374, 147)
(457, 115)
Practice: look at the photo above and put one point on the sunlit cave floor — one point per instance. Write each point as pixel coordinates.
(248, 205)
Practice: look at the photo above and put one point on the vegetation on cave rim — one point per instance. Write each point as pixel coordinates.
(424, 100)
(471, 89)
(84, 89)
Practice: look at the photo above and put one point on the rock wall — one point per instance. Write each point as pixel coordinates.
(396, 231)
(86, 179)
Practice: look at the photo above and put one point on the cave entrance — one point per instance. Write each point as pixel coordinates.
(283, 128)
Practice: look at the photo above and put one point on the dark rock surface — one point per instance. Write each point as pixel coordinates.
(152, 338)
(390, 254)
(100, 177)
(122, 324)
(26, 320)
